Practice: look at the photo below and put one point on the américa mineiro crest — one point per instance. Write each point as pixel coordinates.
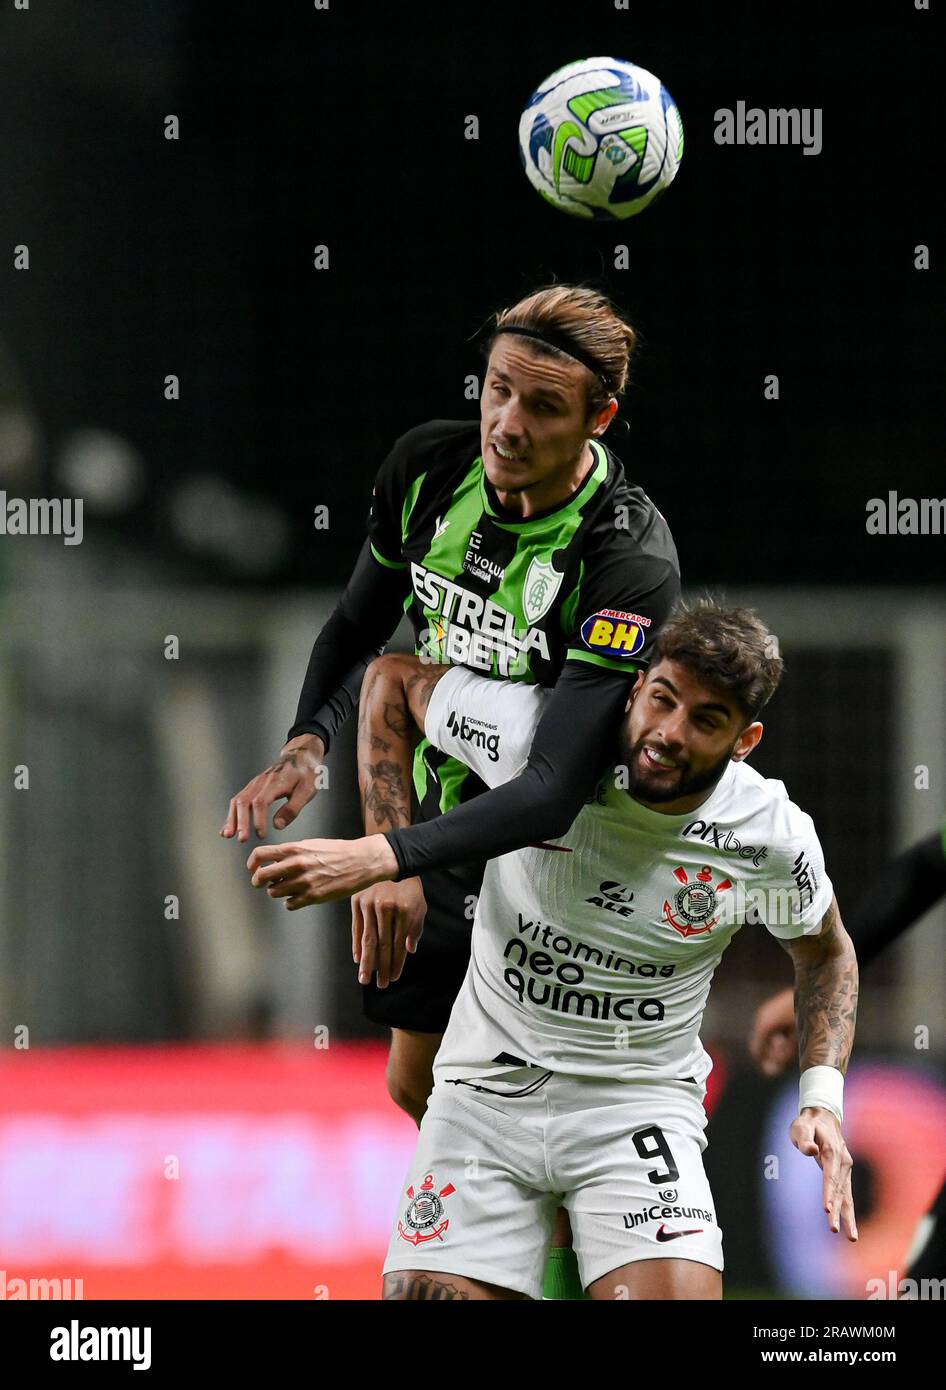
(539, 590)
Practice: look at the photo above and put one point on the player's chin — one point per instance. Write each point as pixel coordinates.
(508, 474)
(663, 782)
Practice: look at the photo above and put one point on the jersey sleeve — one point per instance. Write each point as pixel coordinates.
(797, 892)
(388, 502)
(489, 725)
(623, 597)
(361, 623)
(372, 603)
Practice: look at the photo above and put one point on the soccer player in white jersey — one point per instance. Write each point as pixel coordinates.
(571, 1071)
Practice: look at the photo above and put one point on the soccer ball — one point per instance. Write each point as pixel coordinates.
(601, 138)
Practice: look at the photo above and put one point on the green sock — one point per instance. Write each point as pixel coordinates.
(561, 1280)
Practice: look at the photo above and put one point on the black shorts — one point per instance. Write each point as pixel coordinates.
(422, 998)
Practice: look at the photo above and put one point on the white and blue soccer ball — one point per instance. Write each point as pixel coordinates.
(601, 138)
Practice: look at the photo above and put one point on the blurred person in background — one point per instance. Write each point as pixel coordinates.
(910, 885)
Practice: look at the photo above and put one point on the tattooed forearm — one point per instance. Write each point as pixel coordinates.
(385, 801)
(385, 753)
(826, 1008)
(826, 983)
(394, 699)
(407, 1285)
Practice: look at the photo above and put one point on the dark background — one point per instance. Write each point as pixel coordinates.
(194, 257)
(345, 127)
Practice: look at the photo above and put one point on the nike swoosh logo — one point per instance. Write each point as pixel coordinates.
(664, 1235)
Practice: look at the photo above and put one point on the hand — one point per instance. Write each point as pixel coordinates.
(774, 1041)
(293, 775)
(386, 923)
(816, 1132)
(321, 871)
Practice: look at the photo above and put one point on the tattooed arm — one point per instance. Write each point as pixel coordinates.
(825, 993)
(825, 1010)
(387, 920)
(394, 700)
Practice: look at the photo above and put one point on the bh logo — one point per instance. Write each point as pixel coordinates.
(612, 633)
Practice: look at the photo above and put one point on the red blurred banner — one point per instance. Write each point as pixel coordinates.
(199, 1172)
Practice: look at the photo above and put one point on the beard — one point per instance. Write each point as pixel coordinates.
(656, 787)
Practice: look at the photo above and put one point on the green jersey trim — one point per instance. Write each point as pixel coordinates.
(388, 564)
(628, 668)
(419, 770)
(451, 775)
(410, 501)
(593, 481)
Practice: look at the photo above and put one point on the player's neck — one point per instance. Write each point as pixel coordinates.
(550, 492)
(681, 807)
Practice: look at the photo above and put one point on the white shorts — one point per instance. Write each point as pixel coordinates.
(493, 1164)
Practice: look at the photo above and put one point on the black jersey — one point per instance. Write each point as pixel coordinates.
(571, 597)
(589, 580)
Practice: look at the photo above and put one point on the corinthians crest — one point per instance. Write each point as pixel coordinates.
(695, 907)
(539, 590)
(422, 1219)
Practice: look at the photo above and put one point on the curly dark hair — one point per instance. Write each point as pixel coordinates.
(730, 648)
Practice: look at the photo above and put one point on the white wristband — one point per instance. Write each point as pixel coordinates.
(822, 1087)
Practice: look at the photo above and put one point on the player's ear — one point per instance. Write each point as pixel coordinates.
(603, 417)
(749, 739)
(634, 689)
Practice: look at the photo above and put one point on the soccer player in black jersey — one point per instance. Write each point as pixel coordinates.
(518, 548)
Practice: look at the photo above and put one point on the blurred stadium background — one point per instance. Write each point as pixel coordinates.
(190, 1102)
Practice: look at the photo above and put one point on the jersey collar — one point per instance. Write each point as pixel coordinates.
(593, 478)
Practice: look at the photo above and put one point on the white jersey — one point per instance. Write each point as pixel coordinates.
(593, 954)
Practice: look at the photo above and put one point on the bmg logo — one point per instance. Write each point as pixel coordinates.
(474, 731)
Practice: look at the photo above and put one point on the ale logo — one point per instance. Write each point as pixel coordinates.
(612, 633)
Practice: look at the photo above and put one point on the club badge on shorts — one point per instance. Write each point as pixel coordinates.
(422, 1219)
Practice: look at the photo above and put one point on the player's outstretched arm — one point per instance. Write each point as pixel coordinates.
(315, 871)
(573, 745)
(574, 741)
(826, 1008)
(397, 698)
